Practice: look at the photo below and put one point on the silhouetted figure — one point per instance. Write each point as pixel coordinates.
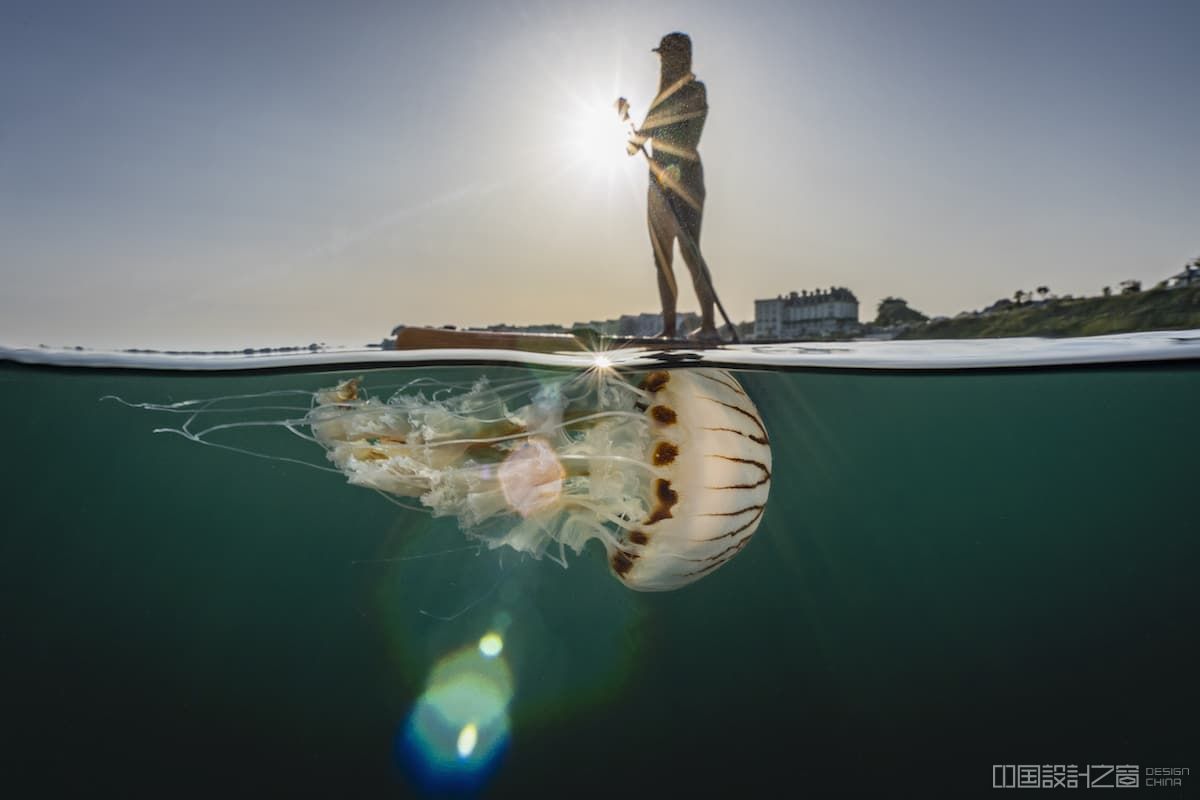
(676, 201)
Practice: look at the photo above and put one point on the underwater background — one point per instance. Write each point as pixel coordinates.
(954, 570)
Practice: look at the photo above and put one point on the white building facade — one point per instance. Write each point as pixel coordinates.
(798, 315)
(1188, 278)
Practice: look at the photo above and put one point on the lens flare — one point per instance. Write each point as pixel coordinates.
(459, 727)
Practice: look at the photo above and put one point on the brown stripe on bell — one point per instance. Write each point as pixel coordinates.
(664, 453)
(656, 380)
(731, 386)
(663, 415)
(666, 497)
(622, 562)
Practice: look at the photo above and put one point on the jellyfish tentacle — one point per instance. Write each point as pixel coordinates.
(595, 508)
(603, 415)
(392, 500)
(288, 424)
(623, 460)
(182, 404)
(197, 439)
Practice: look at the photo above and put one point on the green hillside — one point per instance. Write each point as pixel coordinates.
(1156, 309)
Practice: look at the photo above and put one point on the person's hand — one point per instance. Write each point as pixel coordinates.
(638, 142)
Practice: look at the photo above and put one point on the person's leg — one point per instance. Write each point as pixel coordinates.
(662, 238)
(689, 248)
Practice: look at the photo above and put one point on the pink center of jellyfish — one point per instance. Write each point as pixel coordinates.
(531, 477)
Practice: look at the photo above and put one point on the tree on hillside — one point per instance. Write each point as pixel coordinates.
(895, 311)
(1131, 287)
(1043, 291)
(1106, 291)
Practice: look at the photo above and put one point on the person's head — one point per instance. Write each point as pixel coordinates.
(675, 51)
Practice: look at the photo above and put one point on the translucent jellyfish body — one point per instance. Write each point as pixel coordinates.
(670, 473)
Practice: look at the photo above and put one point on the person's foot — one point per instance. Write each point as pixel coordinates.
(669, 325)
(705, 336)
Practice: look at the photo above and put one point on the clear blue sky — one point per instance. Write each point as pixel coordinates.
(213, 174)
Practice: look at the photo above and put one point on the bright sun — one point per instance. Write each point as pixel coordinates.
(592, 138)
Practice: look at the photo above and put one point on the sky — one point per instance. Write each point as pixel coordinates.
(211, 174)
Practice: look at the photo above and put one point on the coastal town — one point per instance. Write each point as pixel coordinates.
(833, 313)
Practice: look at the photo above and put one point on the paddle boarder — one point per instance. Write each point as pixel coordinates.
(675, 205)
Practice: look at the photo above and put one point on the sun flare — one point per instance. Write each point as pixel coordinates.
(592, 138)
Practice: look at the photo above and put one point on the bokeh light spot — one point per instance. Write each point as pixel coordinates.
(468, 737)
(491, 644)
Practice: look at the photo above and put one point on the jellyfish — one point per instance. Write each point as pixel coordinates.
(670, 472)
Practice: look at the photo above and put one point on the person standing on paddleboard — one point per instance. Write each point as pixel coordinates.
(675, 206)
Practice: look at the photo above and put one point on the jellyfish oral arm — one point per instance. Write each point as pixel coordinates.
(531, 477)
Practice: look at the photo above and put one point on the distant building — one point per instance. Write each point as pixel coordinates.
(504, 327)
(642, 324)
(1189, 277)
(652, 324)
(816, 313)
(605, 327)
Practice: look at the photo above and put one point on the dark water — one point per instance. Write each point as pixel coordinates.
(954, 571)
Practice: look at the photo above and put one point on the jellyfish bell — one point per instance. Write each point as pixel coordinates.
(712, 459)
(670, 472)
(671, 475)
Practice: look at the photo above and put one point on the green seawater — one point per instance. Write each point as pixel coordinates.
(953, 571)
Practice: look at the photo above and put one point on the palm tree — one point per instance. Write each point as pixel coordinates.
(1043, 291)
